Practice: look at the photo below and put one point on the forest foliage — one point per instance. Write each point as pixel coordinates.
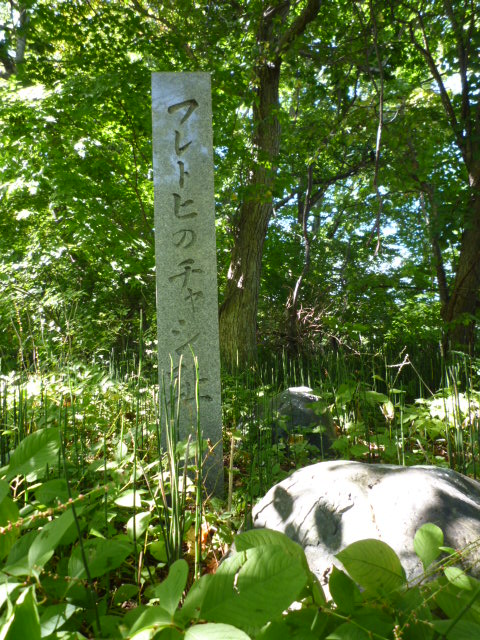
(371, 201)
(347, 189)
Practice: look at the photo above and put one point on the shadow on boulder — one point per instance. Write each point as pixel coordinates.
(329, 505)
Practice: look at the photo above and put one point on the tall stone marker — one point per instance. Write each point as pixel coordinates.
(187, 297)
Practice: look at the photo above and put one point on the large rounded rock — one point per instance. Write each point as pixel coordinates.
(327, 506)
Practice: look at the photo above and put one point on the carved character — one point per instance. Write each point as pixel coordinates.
(187, 271)
(192, 104)
(178, 204)
(183, 173)
(187, 237)
(179, 149)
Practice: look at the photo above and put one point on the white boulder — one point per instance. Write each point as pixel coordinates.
(327, 506)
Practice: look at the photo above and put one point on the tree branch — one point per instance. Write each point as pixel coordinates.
(298, 26)
(463, 53)
(447, 104)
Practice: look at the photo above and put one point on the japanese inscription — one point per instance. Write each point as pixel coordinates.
(187, 302)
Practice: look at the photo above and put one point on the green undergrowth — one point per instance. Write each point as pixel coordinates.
(105, 530)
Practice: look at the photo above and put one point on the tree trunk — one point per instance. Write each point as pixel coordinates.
(463, 118)
(238, 313)
(460, 311)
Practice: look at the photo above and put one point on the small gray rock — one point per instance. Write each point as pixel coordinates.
(289, 412)
(327, 506)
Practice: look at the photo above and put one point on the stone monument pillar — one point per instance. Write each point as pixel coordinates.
(185, 250)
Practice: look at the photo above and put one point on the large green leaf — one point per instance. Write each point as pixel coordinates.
(34, 453)
(374, 565)
(268, 537)
(262, 581)
(192, 604)
(374, 397)
(301, 624)
(459, 578)
(17, 562)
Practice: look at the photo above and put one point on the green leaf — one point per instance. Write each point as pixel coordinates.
(343, 590)
(138, 524)
(376, 621)
(373, 565)
(47, 540)
(458, 578)
(152, 618)
(124, 593)
(158, 549)
(34, 453)
(215, 631)
(130, 499)
(169, 592)
(23, 622)
(427, 542)
(345, 393)
(359, 450)
(262, 581)
(102, 556)
(193, 602)
(269, 537)
(52, 491)
(348, 631)
(462, 630)
(55, 616)
(17, 562)
(4, 489)
(456, 602)
(9, 515)
(7, 587)
(167, 633)
(374, 397)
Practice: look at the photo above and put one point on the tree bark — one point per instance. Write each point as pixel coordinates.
(238, 313)
(463, 302)
(459, 313)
